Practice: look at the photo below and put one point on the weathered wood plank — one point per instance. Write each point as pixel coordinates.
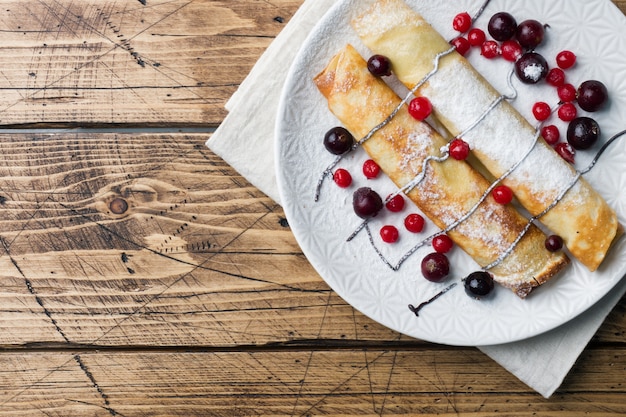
(370, 382)
(169, 62)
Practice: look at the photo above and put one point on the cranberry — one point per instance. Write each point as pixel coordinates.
(592, 95)
(461, 45)
(490, 49)
(476, 37)
(338, 140)
(502, 194)
(442, 243)
(567, 112)
(366, 202)
(342, 178)
(414, 223)
(420, 108)
(541, 111)
(556, 77)
(530, 33)
(435, 267)
(565, 59)
(566, 93)
(462, 22)
(389, 234)
(478, 284)
(459, 149)
(566, 152)
(583, 132)
(379, 65)
(395, 204)
(531, 68)
(502, 26)
(511, 50)
(554, 243)
(371, 169)
(551, 134)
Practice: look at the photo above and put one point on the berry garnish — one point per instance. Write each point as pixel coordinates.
(592, 95)
(530, 33)
(502, 26)
(583, 132)
(379, 65)
(462, 22)
(414, 223)
(566, 152)
(459, 149)
(490, 49)
(551, 134)
(338, 140)
(567, 112)
(554, 243)
(511, 50)
(566, 93)
(442, 243)
(371, 169)
(435, 267)
(531, 68)
(502, 194)
(461, 45)
(565, 59)
(476, 37)
(556, 77)
(366, 202)
(389, 234)
(342, 178)
(420, 108)
(395, 204)
(478, 284)
(541, 111)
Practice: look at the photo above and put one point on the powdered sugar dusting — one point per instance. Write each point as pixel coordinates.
(376, 22)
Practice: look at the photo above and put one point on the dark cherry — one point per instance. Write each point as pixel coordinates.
(366, 202)
(554, 243)
(338, 140)
(592, 95)
(530, 33)
(502, 26)
(478, 284)
(435, 267)
(379, 65)
(531, 68)
(583, 132)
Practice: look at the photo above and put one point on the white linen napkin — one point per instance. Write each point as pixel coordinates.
(245, 141)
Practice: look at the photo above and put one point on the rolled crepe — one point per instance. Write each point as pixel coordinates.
(449, 190)
(460, 97)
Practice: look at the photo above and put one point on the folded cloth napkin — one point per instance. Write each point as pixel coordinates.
(245, 141)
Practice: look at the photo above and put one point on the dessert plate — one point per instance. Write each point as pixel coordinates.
(591, 28)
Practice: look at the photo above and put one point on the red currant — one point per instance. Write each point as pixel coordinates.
(502, 194)
(541, 111)
(551, 134)
(461, 44)
(567, 112)
(395, 204)
(462, 22)
(556, 77)
(476, 37)
(567, 93)
(442, 243)
(414, 223)
(511, 50)
(342, 178)
(389, 234)
(490, 49)
(370, 169)
(459, 149)
(420, 108)
(566, 151)
(566, 59)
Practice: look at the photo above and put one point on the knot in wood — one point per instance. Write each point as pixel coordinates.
(118, 206)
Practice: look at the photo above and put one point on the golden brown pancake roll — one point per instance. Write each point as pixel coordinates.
(449, 190)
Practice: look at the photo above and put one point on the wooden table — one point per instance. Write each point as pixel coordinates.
(142, 276)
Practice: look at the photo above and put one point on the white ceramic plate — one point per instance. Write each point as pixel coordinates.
(591, 28)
